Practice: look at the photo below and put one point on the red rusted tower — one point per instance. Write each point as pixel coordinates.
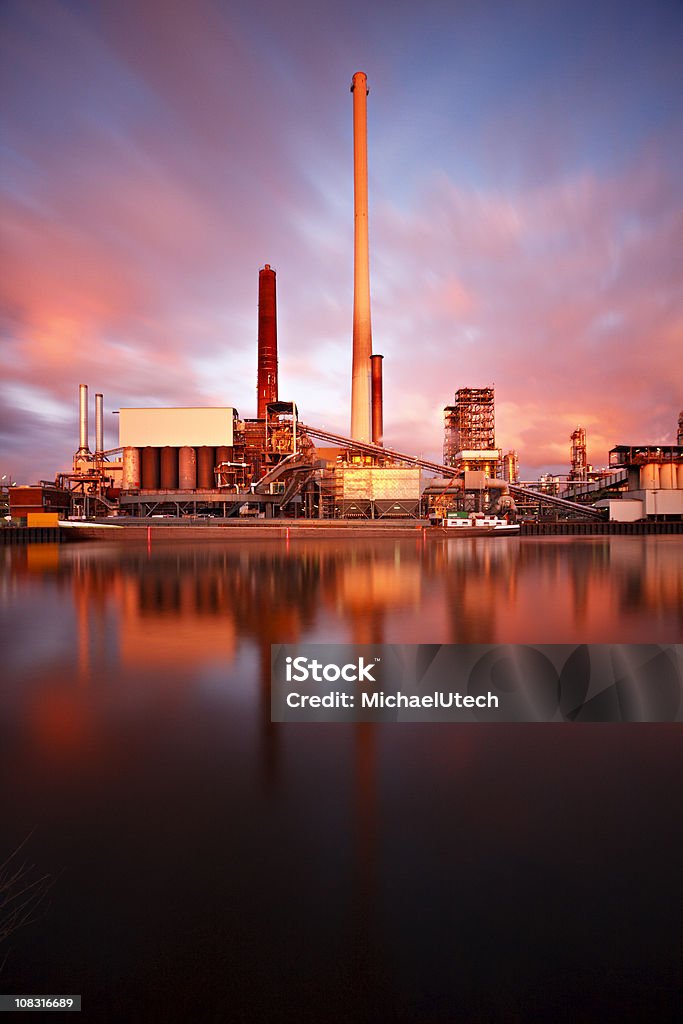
(377, 400)
(266, 381)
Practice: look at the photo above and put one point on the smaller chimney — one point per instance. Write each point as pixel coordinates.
(99, 424)
(83, 448)
(377, 400)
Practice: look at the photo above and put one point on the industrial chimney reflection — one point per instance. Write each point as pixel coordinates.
(373, 583)
(129, 640)
(365, 860)
(160, 626)
(176, 614)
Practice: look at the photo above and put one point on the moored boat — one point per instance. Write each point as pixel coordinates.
(473, 524)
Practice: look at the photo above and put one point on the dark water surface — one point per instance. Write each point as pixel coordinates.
(207, 865)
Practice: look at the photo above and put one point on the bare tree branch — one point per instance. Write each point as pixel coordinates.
(21, 893)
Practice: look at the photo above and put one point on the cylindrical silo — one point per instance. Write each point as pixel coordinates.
(168, 470)
(187, 469)
(649, 476)
(667, 476)
(130, 476)
(205, 464)
(150, 469)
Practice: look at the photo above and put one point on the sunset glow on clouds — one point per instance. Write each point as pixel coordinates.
(526, 214)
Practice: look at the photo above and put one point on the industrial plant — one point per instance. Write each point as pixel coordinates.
(214, 462)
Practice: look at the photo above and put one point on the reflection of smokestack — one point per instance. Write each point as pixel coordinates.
(83, 418)
(377, 405)
(266, 383)
(362, 330)
(99, 424)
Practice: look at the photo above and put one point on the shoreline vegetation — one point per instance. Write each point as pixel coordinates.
(22, 891)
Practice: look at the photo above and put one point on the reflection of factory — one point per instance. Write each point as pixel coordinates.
(222, 599)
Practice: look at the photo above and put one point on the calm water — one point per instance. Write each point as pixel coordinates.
(206, 865)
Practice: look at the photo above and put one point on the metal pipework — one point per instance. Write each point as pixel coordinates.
(83, 418)
(266, 383)
(362, 329)
(377, 400)
(447, 471)
(99, 424)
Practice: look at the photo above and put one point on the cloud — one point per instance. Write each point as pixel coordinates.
(571, 308)
(158, 154)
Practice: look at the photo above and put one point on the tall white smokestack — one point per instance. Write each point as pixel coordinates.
(362, 330)
(83, 418)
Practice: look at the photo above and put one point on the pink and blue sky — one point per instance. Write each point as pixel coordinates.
(526, 213)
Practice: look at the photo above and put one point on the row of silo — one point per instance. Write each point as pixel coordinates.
(171, 469)
(661, 475)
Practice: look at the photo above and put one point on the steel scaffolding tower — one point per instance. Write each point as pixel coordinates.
(470, 423)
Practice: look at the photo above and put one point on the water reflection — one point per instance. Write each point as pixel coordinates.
(175, 621)
(182, 606)
(353, 866)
